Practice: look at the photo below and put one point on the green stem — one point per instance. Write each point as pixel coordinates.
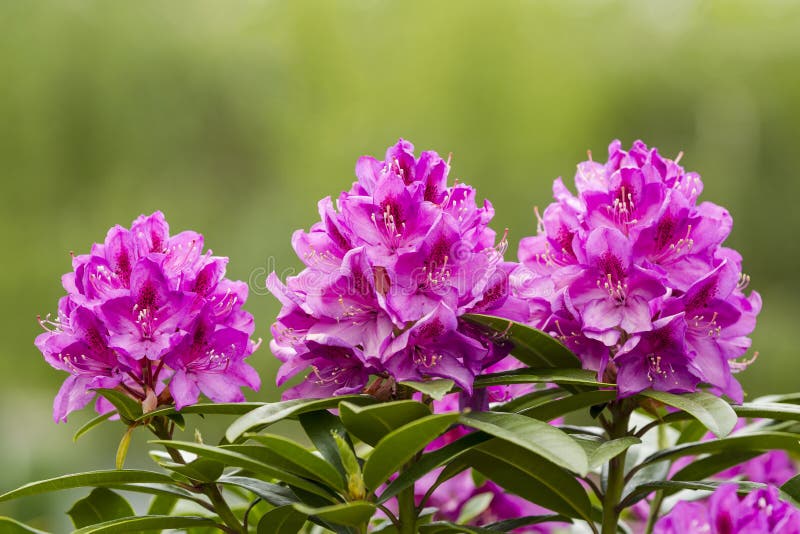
(160, 428)
(223, 510)
(618, 428)
(408, 511)
(655, 508)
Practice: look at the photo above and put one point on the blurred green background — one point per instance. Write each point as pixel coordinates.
(234, 118)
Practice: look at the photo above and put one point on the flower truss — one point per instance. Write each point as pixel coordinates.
(153, 316)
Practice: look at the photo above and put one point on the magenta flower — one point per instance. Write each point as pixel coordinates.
(389, 271)
(761, 511)
(150, 314)
(642, 289)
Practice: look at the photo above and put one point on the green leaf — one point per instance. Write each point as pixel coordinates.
(281, 520)
(530, 400)
(122, 449)
(12, 526)
(435, 389)
(510, 524)
(541, 376)
(129, 410)
(267, 414)
(531, 477)
(711, 465)
(769, 410)
(371, 423)
(755, 441)
(351, 514)
(320, 426)
(611, 449)
(274, 494)
(532, 347)
(694, 430)
(91, 423)
(178, 419)
(792, 488)
(447, 527)
(100, 505)
(716, 414)
(673, 486)
(200, 469)
(538, 437)
(237, 459)
(474, 507)
(305, 461)
(206, 408)
(397, 447)
(92, 478)
(146, 523)
(162, 505)
(560, 407)
(432, 460)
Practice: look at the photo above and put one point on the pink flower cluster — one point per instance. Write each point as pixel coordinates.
(388, 273)
(641, 288)
(151, 315)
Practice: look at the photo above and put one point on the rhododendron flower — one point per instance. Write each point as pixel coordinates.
(389, 271)
(761, 511)
(642, 289)
(150, 314)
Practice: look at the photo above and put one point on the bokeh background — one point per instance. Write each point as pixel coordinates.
(234, 118)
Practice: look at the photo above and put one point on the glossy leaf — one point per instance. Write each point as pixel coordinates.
(448, 527)
(319, 427)
(92, 423)
(371, 423)
(435, 389)
(127, 408)
(530, 400)
(792, 488)
(100, 505)
(560, 407)
(92, 478)
(533, 347)
(611, 449)
(694, 430)
(281, 520)
(205, 408)
(711, 465)
(146, 523)
(12, 526)
(474, 507)
(672, 486)
(715, 413)
(268, 414)
(351, 514)
(755, 441)
(510, 524)
(432, 460)
(397, 447)
(274, 494)
(538, 437)
(237, 459)
(541, 376)
(531, 477)
(302, 458)
(162, 505)
(200, 469)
